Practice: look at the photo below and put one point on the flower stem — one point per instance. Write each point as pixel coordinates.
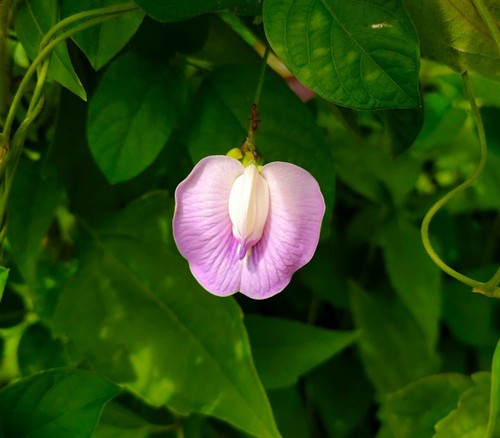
(488, 288)
(258, 91)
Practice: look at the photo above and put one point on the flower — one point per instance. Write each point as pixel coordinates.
(247, 230)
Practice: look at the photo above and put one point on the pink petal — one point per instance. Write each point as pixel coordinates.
(291, 232)
(202, 227)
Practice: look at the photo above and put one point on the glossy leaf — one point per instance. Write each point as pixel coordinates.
(471, 416)
(286, 132)
(57, 403)
(392, 348)
(33, 19)
(452, 32)
(103, 41)
(132, 115)
(413, 411)
(413, 275)
(284, 349)
(141, 308)
(358, 54)
(173, 10)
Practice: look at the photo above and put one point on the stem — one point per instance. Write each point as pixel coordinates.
(45, 52)
(258, 92)
(489, 21)
(6, 9)
(477, 286)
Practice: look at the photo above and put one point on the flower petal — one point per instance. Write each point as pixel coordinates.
(291, 233)
(202, 227)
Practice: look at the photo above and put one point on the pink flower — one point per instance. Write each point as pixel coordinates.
(245, 230)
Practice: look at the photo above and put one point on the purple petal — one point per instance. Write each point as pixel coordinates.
(202, 227)
(291, 232)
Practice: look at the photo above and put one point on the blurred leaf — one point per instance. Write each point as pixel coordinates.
(452, 32)
(413, 411)
(285, 349)
(12, 309)
(290, 412)
(39, 351)
(173, 10)
(56, 403)
(414, 276)
(402, 127)
(150, 326)
(33, 19)
(493, 428)
(4, 275)
(342, 395)
(102, 42)
(357, 54)
(287, 131)
(470, 418)
(32, 206)
(119, 422)
(132, 115)
(393, 347)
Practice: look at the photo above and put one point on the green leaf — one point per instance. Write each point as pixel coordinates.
(414, 276)
(33, 19)
(103, 41)
(174, 10)
(287, 131)
(132, 115)
(31, 209)
(149, 325)
(409, 412)
(493, 428)
(284, 349)
(4, 275)
(470, 418)
(56, 403)
(357, 54)
(452, 32)
(401, 127)
(393, 348)
(39, 351)
(290, 412)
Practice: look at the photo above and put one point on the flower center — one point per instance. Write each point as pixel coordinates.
(248, 208)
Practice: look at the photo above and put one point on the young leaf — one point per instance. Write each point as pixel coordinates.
(471, 416)
(284, 349)
(150, 326)
(56, 403)
(408, 412)
(358, 54)
(103, 41)
(174, 10)
(286, 132)
(452, 32)
(132, 115)
(33, 19)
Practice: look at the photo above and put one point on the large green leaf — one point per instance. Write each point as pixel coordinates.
(103, 41)
(284, 349)
(452, 32)
(493, 428)
(358, 54)
(409, 412)
(290, 412)
(470, 417)
(33, 20)
(31, 209)
(287, 131)
(59, 403)
(132, 115)
(393, 346)
(174, 10)
(413, 275)
(150, 326)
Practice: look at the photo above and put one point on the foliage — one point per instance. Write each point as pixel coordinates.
(105, 107)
